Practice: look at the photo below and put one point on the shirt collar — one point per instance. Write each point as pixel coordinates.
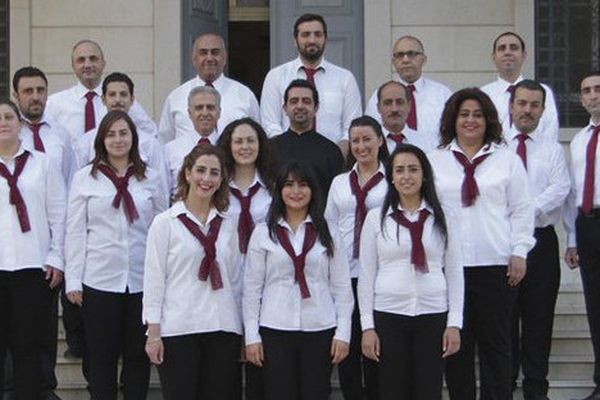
(255, 180)
(423, 206)
(533, 136)
(22, 149)
(180, 208)
(282, 222)
(380, 168)
(486, 149)
(81, 90)
(322, 65)
(217, 83)
(419, 83)
(504, 84)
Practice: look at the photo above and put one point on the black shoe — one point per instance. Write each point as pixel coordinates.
(49, 395)
(73, 354)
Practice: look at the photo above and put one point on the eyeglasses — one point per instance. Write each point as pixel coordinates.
(410, 54)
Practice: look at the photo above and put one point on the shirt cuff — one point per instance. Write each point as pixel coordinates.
(151, 315)
(367, 322)
(73, 285)
(454, 320)
(571, 240)
(520, 251)
(251, 334)
(55, 262)
(343, 330)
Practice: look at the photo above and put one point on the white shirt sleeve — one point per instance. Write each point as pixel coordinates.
(76, 237)
(453, 271)
(341, 291)
(56, 204)
(254, 281)
(155, 274)
(271, 103)
(520, 209)
(368, 265)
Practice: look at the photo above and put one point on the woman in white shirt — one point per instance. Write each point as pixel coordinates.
(32, 217)
(297, 298)
(351, 195)
(410, 286)
(486, 185)
(191, 286)
(112, 202)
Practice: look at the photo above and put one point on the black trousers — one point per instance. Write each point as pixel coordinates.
(487, 321)
(255, 382)
(358, 374)
(202, 366)
(410, 363)
(24, 303)
(534, 310)
(588, 247)
(297, 364)
(113, 327)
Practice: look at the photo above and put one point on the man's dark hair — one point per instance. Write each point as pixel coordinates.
(27, 72)
(529, 84)
(117, 77)
(301, 83)
(308, 18)
(509, 33)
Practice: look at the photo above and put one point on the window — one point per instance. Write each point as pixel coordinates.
(567, 46)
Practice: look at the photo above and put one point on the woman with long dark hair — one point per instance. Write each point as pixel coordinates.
(297, 298)
(32, 218)
(112, 203)
(351, 195)
(410, 285)
(191, 286)
(486, 185)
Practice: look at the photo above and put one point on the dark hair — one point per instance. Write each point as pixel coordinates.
(493, 129)
(428, 193)
(220, 200)
(301, 83)
(529, 84)
(27, 72)
(389, 83)
(308, 18)
(117, 77)
(277, 209)
(366, 121)
(508, 33)
(263, 160)
(12, 105)
(139, 166)
(586, 75)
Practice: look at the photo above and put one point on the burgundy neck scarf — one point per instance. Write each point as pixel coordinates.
(361, 208)
(121, 183)
(469, 190)
(417, 254)
(245, 222)
(310, 237)
(14, 197)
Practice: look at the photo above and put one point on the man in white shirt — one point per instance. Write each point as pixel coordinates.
(508, 55)
(41, 133)
(427, 97)
(204, 111)
(393, 106)
(337, 87)
(549, 186)
(209, 57)
(582, 214)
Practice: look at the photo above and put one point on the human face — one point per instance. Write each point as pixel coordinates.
(393, 107)
(118, 140)
(209, 57)
(590, 96)
(365, 144)
(88, 64)
(407, 177)
(10, 126)
(310, 41)
(526, 109)
(31, 96)
(244, 145)
(508, 56)
(470, 124)
(204, 113)
(408, 59)
(300, 108)
(205, 177)
(296, 194)
(117, 97)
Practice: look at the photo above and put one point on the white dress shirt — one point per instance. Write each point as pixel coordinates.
(500, 222)
(498, 92)
(548, 174)
(57, 145)
(577, 169)
(340, 211)
(259, 205)
(173, 294)
(43, 190)
(102, 249)
(388, 281)
(237, 101)
(339, 99)
(68, 109)
(431, 97)
(176, 150)
(410, 137)
(272, 298)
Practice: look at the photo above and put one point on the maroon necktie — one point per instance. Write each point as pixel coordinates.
(361, 207)
(121, 183)
(511, 91)
(245, 222)
(522, 148)
(310, 237)
(310, 76)
(587, 203)
(469, 190)
(209, 267)
(37, 140)
(14, 197)
(203, 140)
(411, 119)
(397, 138)
(90, 116)
(417, 253)
(209, 84)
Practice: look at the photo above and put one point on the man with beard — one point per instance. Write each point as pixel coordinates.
(508, 55)
(338, 91)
